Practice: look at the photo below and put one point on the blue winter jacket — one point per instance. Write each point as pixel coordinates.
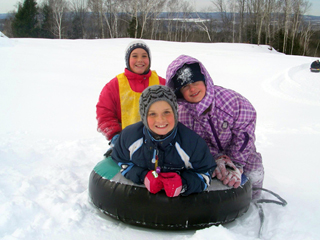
(183, 152)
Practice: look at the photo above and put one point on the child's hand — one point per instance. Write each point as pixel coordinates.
(152, 183)
(172, 183)
(227, 172)
(233, 178)
(223, 162)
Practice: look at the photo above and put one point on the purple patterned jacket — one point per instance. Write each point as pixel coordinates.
(224, 119)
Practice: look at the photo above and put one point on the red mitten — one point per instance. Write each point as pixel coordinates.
(153, 184)
(172, 183)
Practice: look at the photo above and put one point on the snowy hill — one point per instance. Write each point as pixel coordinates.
(49, 143)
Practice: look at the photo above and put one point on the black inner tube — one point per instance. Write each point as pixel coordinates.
(133, 204)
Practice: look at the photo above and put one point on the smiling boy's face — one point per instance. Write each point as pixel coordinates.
(194, 92)
(139, 61)
(160, 118)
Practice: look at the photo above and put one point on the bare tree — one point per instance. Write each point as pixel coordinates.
(300, 7)
(241, 10)
(203, 26)
(187, 9)
(178, 20)
(141, 11)
(287, 12)
(316, 50)
(275, 22)
(305, 37)
(96, 6)
(233, 11)
(226, 19)
(149, 9)
(112, 9)
(262, 14)
(171, 8)
(7, 28)
(131, 9)
(251, 19)
(59, 7)
(156, 24)
(79, 10)
(270, 11)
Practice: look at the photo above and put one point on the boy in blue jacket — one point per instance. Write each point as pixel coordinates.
(160, 152)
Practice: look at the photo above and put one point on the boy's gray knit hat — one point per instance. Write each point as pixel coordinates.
(154, 94)
(133, 45)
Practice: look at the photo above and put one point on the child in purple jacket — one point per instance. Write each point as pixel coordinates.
(222, 117)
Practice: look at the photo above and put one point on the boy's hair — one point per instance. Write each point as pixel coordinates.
(188, 73)
(154, 94)
(132, 46)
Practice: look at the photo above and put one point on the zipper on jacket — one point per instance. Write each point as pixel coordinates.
(215, 135)
(245, 142)
(155, 161)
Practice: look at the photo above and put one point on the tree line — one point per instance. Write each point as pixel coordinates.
(278, 23)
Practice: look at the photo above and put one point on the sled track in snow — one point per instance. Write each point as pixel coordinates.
(296, 84)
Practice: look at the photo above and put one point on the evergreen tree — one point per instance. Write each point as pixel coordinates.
(47, 22)
(77, 31)
(132, 28)
(25, 20)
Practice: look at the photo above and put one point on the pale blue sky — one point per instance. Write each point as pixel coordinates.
(9, 5)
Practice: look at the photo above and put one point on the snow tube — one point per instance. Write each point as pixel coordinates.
(130, 203)
(314, 69)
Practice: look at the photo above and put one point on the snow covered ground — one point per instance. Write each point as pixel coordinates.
(49, 143)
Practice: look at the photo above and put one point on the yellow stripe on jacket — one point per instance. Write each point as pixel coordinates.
(129, 100)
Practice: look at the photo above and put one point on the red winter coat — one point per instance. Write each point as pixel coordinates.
(108, 106)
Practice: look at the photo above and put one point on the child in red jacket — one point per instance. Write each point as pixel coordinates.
(118, 104)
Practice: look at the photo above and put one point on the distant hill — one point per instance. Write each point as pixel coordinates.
(3, 15)
(202, 15)
(315, 20)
